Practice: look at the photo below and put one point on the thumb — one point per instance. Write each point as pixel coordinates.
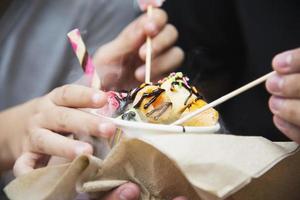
(128, 191)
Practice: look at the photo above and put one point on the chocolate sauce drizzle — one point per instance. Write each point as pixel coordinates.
(154, 94)
(160, 110)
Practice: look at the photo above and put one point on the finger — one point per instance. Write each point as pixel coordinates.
(145, 4)
(47, 142)
(69, 120)
(26, 163)
(153, 24)
(287, 109)
(287, 62)
(163, 41)
(77, 96)
(290, 130)
(287, 86)
(132, 37)
(166, 62)
(148, 25)
(128, 191)
(180, 198)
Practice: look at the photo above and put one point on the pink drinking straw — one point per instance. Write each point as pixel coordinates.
(84, 58)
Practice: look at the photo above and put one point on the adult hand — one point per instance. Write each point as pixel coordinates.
(121, 62)
(44, 122)
(285, 90)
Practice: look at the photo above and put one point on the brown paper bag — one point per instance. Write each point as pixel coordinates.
(134, 160)
(196, 166)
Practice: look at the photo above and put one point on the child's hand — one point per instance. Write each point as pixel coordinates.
(42, 124)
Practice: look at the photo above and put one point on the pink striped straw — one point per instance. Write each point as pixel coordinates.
(84, 58)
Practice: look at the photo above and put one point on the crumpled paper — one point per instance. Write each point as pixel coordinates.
(199, 167)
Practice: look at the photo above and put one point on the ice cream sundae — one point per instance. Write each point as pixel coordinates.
(160, 103)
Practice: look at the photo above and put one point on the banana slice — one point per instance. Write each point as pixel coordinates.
(154, 105)
(208, 118)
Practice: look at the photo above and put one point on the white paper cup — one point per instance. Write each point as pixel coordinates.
(130, 129)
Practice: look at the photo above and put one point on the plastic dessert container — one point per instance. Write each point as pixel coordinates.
(128, 129)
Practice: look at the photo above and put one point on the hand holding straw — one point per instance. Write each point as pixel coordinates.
(85, 60)
(224, 98)
(149, 4)
(148, 51)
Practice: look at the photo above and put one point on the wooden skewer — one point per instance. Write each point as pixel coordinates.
(224, 98)
(148, 51)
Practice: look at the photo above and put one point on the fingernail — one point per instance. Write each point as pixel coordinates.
(276, 104)
(283, 60)
(275, 84)
(106, 130)
(81, 149)
(140, 72)
(143, 50)
(127, 194)
(97, 98)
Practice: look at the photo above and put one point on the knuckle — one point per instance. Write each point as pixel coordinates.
(294, 83)
(285, 90)
(90, 127)
(62, 119)
(289, 112)
(297, 91)
(40, 143)
(64, 93)
(54, 93)
(36, 141)
(291, 86)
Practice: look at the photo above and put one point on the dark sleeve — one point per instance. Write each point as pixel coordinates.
(210, 36)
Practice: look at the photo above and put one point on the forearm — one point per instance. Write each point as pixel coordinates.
(12, 132)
